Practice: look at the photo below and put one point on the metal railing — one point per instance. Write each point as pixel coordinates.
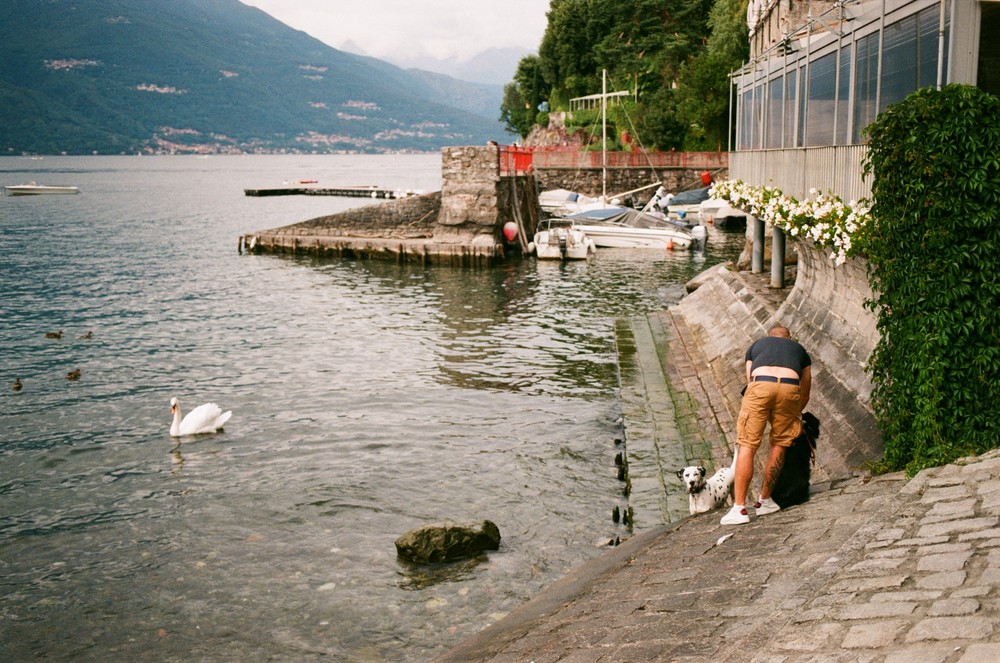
(514, 159)
(796, 171)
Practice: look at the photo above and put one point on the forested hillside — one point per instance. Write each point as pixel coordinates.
(126, 76)
(674, 55)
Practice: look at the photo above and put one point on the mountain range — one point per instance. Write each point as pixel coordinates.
(213, 76)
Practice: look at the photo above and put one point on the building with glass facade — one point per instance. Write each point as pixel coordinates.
(821, 71)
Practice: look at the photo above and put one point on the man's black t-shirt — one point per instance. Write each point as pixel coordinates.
(777, 351)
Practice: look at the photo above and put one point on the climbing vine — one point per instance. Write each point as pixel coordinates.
(933, 253)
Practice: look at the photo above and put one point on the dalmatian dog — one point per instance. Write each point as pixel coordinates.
(707, 494)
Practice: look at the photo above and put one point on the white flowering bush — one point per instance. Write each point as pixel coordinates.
(826, 219)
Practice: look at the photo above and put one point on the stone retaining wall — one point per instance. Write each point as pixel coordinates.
(824, 311)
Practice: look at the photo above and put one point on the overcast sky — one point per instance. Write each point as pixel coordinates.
(399, 29)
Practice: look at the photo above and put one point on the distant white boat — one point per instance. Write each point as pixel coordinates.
(33, 189)
(560, 239)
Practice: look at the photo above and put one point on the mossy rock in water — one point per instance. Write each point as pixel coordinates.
(447, 542)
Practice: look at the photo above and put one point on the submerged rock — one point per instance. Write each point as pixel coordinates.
(448, 541)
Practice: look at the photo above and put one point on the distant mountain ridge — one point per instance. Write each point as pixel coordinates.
(495, 66)
(213, 76)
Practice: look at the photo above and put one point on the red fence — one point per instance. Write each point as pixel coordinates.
(517, 160)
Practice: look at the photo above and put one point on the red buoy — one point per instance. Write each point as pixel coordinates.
(510, 231)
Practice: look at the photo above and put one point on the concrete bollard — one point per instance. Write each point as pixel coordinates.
(757, 255)
(777, 258)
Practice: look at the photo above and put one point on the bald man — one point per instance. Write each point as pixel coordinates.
(779, 377)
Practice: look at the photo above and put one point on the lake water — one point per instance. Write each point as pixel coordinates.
(368, 398)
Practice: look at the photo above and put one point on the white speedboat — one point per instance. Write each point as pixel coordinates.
(631, 229)
(682, 205)
(721, 214)
(561, 239)
(33, 189)
(562, 202)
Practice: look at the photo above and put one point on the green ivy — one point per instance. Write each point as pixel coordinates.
(933, 251)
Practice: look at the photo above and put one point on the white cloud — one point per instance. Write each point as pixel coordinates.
(400, 29)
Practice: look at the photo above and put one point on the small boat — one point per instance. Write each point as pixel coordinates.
(562, 202)
(681, 205)
(625, 228)
(33, 189)
(561, 239)
(722, 215)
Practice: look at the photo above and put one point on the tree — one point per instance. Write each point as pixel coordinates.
(703, 83)
(523, 97)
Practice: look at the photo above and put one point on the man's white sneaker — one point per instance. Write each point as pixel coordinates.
(764, 507)
(737, 516)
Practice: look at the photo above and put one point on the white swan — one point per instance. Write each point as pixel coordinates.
(207, 418)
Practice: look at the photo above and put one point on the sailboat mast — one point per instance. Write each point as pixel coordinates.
(604, 135)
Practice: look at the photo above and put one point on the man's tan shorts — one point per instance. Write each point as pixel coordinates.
(774, 403)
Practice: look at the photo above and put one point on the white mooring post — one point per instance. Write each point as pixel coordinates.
(777, 257)
(757, 254)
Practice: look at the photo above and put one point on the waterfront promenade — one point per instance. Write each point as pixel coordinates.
(879, 569)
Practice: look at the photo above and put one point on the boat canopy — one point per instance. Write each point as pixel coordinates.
(626, 216)
(690, 197)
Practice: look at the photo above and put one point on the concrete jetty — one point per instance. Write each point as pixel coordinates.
(882, 569)
(342, 191)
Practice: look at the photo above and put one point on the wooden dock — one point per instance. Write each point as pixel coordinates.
(343, 191)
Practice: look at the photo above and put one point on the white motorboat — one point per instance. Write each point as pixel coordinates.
(561, 239)
(682, 205)
(722, 214)
(630, 229)
(562, 202)
(33, 189)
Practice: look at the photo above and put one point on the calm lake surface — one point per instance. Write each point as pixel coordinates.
(368, 398)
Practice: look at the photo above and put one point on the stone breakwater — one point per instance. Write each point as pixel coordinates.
(462, 224)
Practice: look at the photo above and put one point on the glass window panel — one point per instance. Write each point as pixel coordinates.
(800, 94)
(844, 98)
(788, 108)
(820, 108)
(988, 76)
(743, 121)
(927, 45)
(899, 61)
(865, 82)
(775, 108)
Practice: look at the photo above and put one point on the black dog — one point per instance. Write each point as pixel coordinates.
(792, 485)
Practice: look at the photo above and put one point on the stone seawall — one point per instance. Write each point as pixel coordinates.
(462, 224)
(825, 312)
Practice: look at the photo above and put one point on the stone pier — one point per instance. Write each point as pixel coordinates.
(462, 224)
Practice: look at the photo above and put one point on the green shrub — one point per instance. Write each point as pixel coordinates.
(933, 250)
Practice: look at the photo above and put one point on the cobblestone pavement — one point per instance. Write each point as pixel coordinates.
(880, 569)
(871, 569)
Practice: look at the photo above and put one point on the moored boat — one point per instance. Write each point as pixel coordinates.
(561, 239)
(630, 229)
(33, 189)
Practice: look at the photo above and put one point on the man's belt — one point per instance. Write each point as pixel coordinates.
(771, 378)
